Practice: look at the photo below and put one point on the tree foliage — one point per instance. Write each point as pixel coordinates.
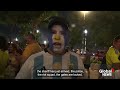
(25, 20)
(102, 27)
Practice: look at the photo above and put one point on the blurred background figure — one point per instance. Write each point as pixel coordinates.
(14, 64)
(31, 48)
(43, 47)
(78, 51)
(113, 56)
(47, 48)
(87, 59)
(67, 48)
(4, 56)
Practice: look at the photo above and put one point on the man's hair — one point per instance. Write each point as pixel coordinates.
(116, 38)
(31, 36)
(14, 46)
(58, 21)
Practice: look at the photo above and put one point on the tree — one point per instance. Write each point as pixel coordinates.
(26, 20)
(104, 26)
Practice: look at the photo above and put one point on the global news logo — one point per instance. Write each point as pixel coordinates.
(106, 72)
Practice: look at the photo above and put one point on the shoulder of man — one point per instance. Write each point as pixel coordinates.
(30, 61)
(110, 50)
(33, 56)
(114, 50)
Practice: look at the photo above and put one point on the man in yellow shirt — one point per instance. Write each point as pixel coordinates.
(31, 48)
(4, 56)
(112, 55)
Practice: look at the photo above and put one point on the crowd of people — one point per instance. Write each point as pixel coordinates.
(17, 63)
(12, 57)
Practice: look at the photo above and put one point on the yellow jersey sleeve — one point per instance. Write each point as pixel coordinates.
(4, 57)
(114, 56)
(27, 52)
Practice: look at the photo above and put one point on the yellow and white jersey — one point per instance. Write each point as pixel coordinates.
(43, 60)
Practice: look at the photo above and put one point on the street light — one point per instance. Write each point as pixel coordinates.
(85, 32)
(45, 42)
(16, 39)
(85, 12)
(37, 31)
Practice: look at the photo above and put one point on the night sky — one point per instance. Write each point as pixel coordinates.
(8, 32)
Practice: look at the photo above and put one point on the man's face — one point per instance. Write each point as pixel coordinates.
(58, 40)
(117, 44)
(27, 38)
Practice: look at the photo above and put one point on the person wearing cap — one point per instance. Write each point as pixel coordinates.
(57, 58)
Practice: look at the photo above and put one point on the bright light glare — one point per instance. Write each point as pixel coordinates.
(37, 31)
(85, 12)
(16, 39)
(73, 25)
(85, 31)
(45, 42)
